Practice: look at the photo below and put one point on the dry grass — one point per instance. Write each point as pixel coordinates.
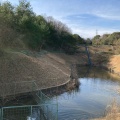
(49, 69)
(17, 67)
(104, 56)
(114, 63)
(112, 112)
(9, 38)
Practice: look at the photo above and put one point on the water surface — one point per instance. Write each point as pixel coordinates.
(97, 90)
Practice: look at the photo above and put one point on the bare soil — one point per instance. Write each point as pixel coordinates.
(114, 63)
(46, 69)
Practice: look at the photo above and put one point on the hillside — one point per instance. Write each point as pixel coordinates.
(114, 63)
(104, 55)
(46, 68)
(23, 36)
(108, 39)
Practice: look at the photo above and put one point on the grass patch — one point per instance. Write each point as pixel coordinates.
(112, 112)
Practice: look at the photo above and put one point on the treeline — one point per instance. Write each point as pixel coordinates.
(107, 39)
(20, 26)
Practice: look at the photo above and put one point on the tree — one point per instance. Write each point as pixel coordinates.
(96, 40)
(88, 41)
(6, 14)
(78, 39)
(43, 30)
(58, 32)
(37, 31)
(24, 15)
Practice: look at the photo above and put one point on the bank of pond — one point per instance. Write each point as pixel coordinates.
(96, 90)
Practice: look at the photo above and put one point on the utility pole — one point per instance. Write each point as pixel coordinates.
(88, 55)
(96, 32)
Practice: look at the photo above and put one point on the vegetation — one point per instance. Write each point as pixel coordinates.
(21, 27)
(112, 112)
(110, 40)
(88, 41)
(107, 39)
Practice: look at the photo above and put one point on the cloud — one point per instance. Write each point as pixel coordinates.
(110, 17)
(91, 32)
(86, 24)
(82, 16)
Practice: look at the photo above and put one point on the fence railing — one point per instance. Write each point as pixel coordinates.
(29, 112)
(10, 89)
(44, 110)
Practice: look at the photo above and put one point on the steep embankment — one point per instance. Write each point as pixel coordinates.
(17, 67)
(47, 69)
(104, 56)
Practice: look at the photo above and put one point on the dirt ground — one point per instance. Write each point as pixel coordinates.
(104, 55)
(114, 63)
(18, 69)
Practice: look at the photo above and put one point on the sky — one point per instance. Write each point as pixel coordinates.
(83, 17)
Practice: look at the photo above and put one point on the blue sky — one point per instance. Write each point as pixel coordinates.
(84, 17)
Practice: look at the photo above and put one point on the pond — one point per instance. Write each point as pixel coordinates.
(89, 100)
(97, 89)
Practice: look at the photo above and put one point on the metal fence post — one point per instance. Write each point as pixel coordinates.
(57, 112)
(15, 89)
(31, 112)
(1, 113)
(47, 113)
(41, 96)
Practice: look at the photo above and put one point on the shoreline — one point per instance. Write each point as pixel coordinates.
(70, 85)
(109, 69)
(73, 79)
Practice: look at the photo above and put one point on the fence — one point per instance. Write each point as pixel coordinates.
(43, 110)
(11, 89)
(29, 112)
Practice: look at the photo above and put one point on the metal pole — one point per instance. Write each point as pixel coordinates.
(47, 113)
(1, 113)
(88, 55)
(31, 112)
(57, 112)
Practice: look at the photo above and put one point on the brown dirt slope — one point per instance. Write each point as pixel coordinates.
(17, 67)
(114, 63)
(104, 56)
(49, 69)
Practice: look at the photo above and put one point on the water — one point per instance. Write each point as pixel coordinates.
(96, 91)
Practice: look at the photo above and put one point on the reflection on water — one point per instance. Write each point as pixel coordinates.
(96, 91)
(93, 72)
